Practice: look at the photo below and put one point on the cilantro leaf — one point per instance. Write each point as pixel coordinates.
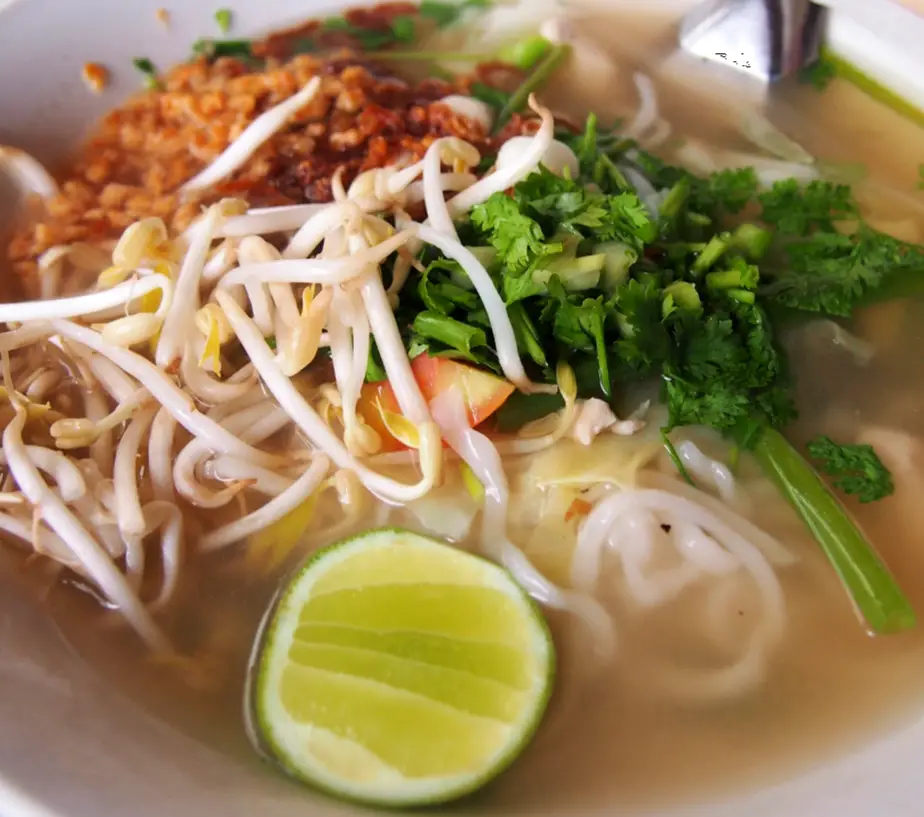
(797, 210)
(518, 239)
(857, 469)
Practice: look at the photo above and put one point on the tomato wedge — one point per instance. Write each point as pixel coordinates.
(484, 393)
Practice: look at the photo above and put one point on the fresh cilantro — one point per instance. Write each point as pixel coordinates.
(727, 190)
(529, 342)
(857, 470)
(579, 323)
(518, 239)
(644, 343)
(797, 210)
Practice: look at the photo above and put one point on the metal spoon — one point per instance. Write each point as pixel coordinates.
(768, 39)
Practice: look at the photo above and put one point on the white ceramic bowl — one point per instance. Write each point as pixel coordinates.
(70, 746)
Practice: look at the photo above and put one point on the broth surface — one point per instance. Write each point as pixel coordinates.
(608, 740)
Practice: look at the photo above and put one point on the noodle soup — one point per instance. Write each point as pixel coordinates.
(727, 655)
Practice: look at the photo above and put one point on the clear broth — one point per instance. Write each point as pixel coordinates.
(606, 742)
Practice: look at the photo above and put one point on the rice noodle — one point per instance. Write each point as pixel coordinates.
(258, 132)
(482, 457)
(708, 469)
(698, 551)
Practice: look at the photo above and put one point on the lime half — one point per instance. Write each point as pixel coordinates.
(399, 671)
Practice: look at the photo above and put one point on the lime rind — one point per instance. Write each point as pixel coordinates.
(293, 746)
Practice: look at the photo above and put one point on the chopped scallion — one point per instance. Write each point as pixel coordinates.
(223, 18)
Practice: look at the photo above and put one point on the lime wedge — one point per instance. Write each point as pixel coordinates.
(399, 671)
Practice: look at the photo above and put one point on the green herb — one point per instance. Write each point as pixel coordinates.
(404, 28)
(458, 336)
(675, 458)
(590, 278)
(444, 14)
(213, 49)
(223, 18)
(495, 97)
(147, 68)
(539, 76)
(819, 74)
(871, 586)
(826, 269)
(856, 469)
(368, 39)
(524, 54)
(271, 342)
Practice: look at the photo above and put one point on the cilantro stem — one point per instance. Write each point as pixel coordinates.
(866, 578)
(538, 78)
(675, 458)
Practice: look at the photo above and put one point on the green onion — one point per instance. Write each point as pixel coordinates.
(675, 199)
(714, 250)
(223, 18)
(866, 578)
(495, 97)
(455, 334)
(525, 53)
(404, 28)
(533, 82)
(754, 241)
(212, 49)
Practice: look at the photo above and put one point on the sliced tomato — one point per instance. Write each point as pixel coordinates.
(371, 397)
(484, 393)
